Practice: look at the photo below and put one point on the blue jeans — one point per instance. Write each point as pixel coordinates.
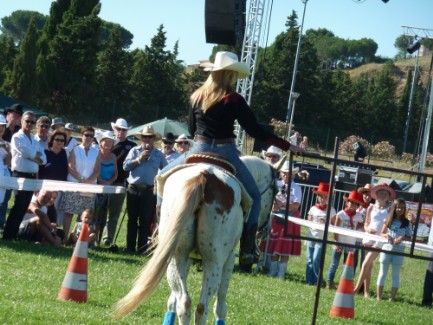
(335, 261)
(314, 253)
(230, 152)
(4, 207)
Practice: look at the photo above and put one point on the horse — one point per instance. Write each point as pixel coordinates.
(203, 210)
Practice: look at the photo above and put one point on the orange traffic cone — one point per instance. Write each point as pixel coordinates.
(74, 286)
(344, 301)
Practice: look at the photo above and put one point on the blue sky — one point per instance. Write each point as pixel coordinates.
(184, 20)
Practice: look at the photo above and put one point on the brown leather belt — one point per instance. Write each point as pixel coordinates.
(200, 138)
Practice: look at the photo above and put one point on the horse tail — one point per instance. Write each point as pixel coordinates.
(187, 202)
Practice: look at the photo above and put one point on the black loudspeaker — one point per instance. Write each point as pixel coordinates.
(261, 145)
(225, 21)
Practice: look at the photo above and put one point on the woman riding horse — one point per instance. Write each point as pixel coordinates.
(214, 108)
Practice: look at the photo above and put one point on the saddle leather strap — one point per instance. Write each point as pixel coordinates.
(211, 158)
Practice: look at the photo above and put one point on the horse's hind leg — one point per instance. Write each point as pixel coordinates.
(177, 272)
(211, 280)
(220, 307)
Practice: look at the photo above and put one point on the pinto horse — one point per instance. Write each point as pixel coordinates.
(202, 210)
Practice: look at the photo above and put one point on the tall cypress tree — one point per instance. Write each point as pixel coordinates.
(20, 82)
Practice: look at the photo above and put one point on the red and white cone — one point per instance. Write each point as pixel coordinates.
(344, 301)
(74, 286)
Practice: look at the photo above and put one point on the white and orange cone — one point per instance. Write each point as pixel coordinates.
(74, 286)
(344, 301)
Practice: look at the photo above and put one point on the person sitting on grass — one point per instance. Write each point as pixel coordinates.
(396, 229)
(86, 217)
(36, 226)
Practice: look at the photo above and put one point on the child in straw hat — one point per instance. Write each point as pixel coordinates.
(347, 218)
(374, 219)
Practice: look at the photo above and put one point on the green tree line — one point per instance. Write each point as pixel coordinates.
(71, 63)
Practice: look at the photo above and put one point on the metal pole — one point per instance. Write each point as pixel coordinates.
(427, 127)
(292, 113)
(409, 110)
(295, 67)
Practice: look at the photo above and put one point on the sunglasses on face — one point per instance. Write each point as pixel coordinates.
(147, 136)
(89, 135)
(30, 122)
(166, 142)
(271, 156)
(59, 140)
(183, 142)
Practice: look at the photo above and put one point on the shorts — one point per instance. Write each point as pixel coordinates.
(27, 232)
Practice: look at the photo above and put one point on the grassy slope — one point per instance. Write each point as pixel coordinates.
(31, 276)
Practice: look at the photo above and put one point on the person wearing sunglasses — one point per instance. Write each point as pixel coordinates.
(83, 167)
(56, 168)
(143, 163)
(27, 156)
(121, 149)
(13, 116)
(43, 125)
(182, 144)
(167, 147)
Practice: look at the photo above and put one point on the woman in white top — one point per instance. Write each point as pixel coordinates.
(84, 166)
(374, 220)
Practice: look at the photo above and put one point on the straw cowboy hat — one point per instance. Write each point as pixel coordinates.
(120, 123)
(227, 61)
(323, 188)
(355, 197)
(148, 130)
(383, 187)
(365, 189)
(287, 168)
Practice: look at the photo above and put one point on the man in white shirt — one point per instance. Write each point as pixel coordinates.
(27, 155)
(43, 125)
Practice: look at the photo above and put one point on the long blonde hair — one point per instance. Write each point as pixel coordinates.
(218, 84)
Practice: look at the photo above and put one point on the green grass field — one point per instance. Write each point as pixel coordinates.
(31, 277)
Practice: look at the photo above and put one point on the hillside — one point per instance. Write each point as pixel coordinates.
(400, 72)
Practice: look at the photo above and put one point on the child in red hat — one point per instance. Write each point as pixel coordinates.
(317, 214)
(347, 218)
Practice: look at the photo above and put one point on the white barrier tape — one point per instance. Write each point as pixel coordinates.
(27, 184)
(353, 233)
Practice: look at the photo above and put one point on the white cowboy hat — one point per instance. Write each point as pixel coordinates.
(106, 135)
(182, 138)
(287, 168)
(273, 150)
(120, 123)
(3, 119)
(227, 61)
(148, 130)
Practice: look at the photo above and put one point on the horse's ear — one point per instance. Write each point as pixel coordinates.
(279, 164)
